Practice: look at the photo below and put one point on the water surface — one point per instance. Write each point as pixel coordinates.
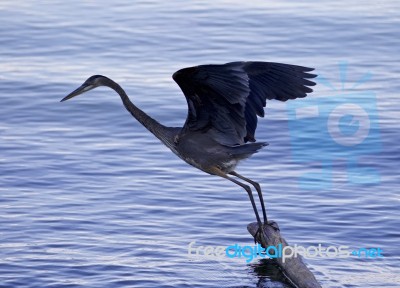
(90, 199)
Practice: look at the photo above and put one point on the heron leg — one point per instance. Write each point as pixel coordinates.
(258, 189)
(220, 173)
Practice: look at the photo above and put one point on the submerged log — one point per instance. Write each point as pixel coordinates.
(293, 268)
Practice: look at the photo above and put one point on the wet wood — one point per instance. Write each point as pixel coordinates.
(292, 267)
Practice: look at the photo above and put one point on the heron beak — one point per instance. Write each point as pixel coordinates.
(82, 89)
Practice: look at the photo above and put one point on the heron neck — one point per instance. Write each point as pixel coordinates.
(157, 129)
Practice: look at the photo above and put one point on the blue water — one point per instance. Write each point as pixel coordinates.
(88, 198)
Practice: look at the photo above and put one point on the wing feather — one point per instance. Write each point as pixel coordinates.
(225, 100)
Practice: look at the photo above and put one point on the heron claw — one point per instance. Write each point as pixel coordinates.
(259, 230)
(255, 235)
(274, 225)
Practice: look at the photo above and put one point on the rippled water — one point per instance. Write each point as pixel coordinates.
(90, 199)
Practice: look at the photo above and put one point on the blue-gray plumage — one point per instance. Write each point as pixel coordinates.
(223, 104)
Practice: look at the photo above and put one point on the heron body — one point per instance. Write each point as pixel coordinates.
(219, 156)
(224, 103)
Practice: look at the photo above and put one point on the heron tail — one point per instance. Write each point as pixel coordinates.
(246, 150)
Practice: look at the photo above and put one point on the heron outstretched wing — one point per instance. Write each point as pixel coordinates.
(225, 100)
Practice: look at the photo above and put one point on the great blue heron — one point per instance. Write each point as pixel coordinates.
(224, 102)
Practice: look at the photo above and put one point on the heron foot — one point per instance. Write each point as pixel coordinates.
(260, 231)
(273, 224)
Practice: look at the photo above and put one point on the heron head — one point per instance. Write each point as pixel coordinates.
(91, 83)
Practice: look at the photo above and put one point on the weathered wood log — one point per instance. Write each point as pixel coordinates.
(293, 268)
